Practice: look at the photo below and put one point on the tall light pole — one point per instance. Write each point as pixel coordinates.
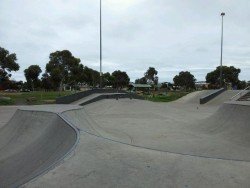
(222, 14)
(100, 43)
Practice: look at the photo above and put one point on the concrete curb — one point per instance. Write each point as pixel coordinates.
(209, 97)
(77, 96)
(112, 96)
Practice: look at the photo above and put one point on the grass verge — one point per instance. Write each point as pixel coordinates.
(6, 101)
(170, 96)
(31, 98)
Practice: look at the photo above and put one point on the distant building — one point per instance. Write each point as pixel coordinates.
(201, 85)
(139, 87)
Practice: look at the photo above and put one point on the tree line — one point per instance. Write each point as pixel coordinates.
(186, 81)
(63, 69)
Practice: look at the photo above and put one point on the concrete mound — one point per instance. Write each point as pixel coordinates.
(30, 143)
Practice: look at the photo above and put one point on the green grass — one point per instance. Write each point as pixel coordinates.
(6, 102)
(41, 97)
(170, 96)
(32, 98)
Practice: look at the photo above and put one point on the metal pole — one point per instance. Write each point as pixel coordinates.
(222, 14)
(100, 43)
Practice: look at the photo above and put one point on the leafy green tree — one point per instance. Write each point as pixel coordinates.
(108, 79)
(95, 78)
(185, 79)
(229, 75)
(151, 76)
(142, 80)
(62, 68)
(46, 82)
(166, 85)
(31, 74)
(90, 77)
(86, 76)
(75, 75)
(242, 84)
(7, 64)
(121, 79)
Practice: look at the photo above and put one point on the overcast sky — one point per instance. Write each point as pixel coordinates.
(170, 35)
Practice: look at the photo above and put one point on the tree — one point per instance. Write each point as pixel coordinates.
(90, 77)
(7, 64)
(121, 79)
(31, 74)
(229, 75)
(75, 75)
(62, 68)
(46, 82)
(86, 76)
(151, 76)
(242, 84)
(108, 79)
(142, 80)
(166, 85)
(185, 79)
(95, 77)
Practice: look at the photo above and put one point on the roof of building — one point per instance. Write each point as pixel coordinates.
(140, 85)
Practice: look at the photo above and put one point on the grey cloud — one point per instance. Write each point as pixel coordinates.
(171, 36)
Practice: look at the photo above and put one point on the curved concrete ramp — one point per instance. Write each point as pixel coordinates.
(145, 144)
(30, 143)
(194, 97)
(224, 135)
(231, 122)
(223, 97)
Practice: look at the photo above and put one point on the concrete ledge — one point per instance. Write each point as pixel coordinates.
(74, 97)
(113, 96)
(210, 96)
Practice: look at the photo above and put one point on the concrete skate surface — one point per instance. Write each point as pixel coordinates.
(90, 97)
(32, 142)
(131, 143)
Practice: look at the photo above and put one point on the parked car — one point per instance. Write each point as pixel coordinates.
(24, 90)
(10, 90)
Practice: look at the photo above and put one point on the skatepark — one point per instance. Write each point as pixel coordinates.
(126, 142)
